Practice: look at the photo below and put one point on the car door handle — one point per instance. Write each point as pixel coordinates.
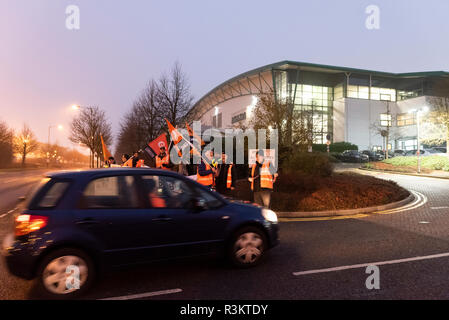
(87, 221)
(162, 218)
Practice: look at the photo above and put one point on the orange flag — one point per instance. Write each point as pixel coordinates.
(174, 133)
(128, 163)
(106, 153)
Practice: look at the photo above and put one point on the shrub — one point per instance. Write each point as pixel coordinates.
(336, 147)
(312, 163)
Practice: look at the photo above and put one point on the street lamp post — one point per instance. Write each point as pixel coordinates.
(49, 131)
(419, 112)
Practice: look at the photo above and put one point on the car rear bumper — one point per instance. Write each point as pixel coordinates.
(19, 261)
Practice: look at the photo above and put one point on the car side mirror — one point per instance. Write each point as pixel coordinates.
(199, 204)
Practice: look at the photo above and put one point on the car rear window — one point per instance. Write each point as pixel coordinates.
(116, 192)
(48, 194)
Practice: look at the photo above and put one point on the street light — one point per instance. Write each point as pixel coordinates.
(419, 112)
(60, 127)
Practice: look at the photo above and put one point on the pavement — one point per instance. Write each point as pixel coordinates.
(317, 259)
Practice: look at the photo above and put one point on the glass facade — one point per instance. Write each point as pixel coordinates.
(406, 119)
(311, 98)
(385, 120)
(363, 92)
(318, 100)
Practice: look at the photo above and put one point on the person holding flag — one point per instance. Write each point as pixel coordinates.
(163, 159)
(157, 150)
(206, 171)
(176, 138)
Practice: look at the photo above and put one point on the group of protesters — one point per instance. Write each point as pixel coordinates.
(217, 174)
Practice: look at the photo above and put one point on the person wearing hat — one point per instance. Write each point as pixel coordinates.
(262, 177)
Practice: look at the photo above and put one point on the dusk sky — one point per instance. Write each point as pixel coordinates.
(45, 68)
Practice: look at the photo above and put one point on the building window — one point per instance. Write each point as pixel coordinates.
(363, 92)
(239, 117)
(358, 92)
(318, 101)
(406, 119)
(338, 92)
(404, 95)
(383, 94)
(385, 120)
(217, 120)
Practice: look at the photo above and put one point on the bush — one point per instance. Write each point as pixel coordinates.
(311, 163)
(337, 147)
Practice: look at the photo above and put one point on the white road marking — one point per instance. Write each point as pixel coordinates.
(424, 222)
(419, 201)
(438, 208)
(144, 295)
(10, 211)
(364, 265)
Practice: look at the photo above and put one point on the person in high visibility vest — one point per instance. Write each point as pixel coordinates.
(163, 159)
(205, 172)
(262, 177)
(226, 176)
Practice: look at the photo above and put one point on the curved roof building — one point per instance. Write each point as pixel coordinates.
(347, 103)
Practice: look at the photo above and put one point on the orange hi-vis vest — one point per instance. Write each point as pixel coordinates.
(140, 164)
(229, 178)
(266, 178)
(160, 162)
(207, 180)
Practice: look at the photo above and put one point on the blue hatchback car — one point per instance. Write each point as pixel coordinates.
(76, 224)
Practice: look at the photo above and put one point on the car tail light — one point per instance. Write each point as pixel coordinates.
(26, 223)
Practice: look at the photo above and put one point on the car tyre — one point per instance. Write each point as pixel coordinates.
(247, 247)
(57, 267)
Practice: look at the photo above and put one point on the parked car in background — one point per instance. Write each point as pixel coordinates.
(399, 153)
(373, 156)
(440, 149)
(424, 153)
(93, 220)
(353, 156)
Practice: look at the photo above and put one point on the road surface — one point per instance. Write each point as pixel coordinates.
(323, 259)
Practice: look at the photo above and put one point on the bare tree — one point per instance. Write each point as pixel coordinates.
(143, 123)
(174, 95)
(6, 144)
(149, 110)
(25, 142)
(295, 127)
(87, 127)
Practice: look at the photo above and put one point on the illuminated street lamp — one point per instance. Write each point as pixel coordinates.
(60, 127)
(419, 112)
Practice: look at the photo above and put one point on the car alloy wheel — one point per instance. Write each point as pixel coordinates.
(248, 248)
(65, 274)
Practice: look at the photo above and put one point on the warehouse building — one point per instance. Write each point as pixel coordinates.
(347, 104)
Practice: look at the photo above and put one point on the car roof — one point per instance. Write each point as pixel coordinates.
(74, 174)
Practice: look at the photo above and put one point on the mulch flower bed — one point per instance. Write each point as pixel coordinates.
(296, 192)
